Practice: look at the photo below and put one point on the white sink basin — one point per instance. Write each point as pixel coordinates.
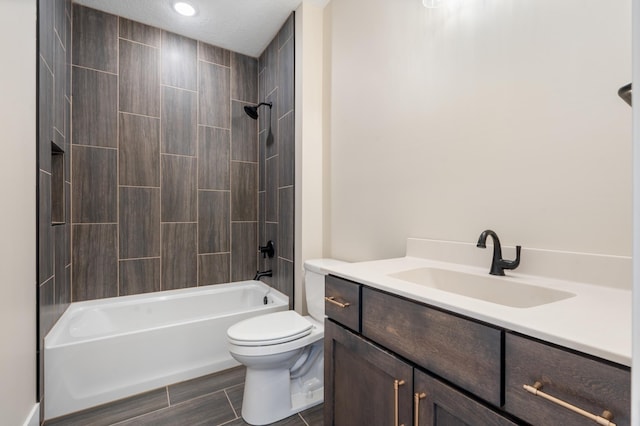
(500, 290)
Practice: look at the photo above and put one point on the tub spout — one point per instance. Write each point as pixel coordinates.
(260, 274)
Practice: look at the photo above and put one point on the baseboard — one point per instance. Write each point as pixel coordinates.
(34, 417)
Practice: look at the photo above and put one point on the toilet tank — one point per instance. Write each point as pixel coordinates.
(314, 273)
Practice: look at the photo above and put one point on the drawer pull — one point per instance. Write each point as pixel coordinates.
(603, 420)
(333, 300)
(416, 406)
(396, 387)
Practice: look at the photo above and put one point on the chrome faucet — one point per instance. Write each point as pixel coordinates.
(498, 264)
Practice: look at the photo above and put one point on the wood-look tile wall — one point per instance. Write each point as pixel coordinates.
(165, 161)
(276, 157)
(54, 105)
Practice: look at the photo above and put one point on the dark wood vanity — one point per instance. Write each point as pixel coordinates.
(394, 361)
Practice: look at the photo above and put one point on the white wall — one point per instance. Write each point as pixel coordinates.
(309, 141)
(18, 212)
(480, 114)
(635, 367)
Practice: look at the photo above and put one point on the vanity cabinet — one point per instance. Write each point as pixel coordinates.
(364, 384)
(342, 301)
(394, 361)
(435, 403)
(588, 384)
(463, 352)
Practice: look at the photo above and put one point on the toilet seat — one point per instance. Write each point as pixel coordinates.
(269, 329)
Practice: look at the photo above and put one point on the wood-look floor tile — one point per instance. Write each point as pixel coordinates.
(235, 394)
(314, 416)
(294, 420)
(213, 409)
(115, 411)
(190, 389)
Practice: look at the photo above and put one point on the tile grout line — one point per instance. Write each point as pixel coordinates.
(235, 413)
(197, 176)
(303, 419)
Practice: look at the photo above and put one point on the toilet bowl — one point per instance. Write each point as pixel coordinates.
(284, 355)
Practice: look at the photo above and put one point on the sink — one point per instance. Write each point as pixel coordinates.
(500, 290)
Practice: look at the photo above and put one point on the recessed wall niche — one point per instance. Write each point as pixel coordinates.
(57, 185)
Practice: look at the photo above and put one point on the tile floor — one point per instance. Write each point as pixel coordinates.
(213, 400)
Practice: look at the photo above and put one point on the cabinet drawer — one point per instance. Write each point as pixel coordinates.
(461, 351)
(342, 301)
(591, 385)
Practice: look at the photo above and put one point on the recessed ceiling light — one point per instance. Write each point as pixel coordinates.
(184, 9)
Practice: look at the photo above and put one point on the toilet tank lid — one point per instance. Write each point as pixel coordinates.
(319, 265)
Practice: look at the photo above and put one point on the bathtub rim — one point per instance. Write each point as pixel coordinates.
(278, 297)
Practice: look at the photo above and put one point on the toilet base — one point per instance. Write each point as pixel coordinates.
(271, 395)
(299, 402)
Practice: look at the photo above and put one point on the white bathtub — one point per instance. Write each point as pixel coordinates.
(107, 349)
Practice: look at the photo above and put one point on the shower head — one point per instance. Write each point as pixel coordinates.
(252, 111)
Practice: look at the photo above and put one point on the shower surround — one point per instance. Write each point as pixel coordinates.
(163, 183)
(166, 168)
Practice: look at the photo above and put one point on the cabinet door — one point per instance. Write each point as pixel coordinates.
(439, 404)
(461, 351)
(364, 384)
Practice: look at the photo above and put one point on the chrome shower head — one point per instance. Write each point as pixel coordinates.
(252, 111)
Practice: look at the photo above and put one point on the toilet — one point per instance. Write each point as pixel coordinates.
(284, 355)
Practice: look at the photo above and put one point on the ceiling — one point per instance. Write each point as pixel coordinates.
(244, 26)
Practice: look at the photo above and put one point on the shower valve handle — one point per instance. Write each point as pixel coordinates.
(268, 250)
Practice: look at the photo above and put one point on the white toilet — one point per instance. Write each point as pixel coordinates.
(284, 355)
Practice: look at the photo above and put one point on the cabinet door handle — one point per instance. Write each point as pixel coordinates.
(604, 419)
(396, 387)
(333, 300)
(416, 406)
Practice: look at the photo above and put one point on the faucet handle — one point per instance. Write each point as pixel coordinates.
(512, 264)
(268, 250)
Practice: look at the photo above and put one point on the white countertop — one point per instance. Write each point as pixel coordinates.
(597, 321)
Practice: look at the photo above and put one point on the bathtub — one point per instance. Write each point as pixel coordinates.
(107, 349)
